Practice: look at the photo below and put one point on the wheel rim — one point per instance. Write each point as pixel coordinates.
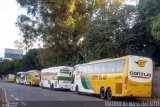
(52, 87)
(102, 93)
(109, 94)
(77, 90)
(42, 85)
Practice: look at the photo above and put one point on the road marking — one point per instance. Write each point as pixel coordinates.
(12, 95)
(24, 104)
(6, 97)
(16, 99)
(61, 100)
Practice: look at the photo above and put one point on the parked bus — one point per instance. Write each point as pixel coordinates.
(20, 77)
(56, 77)
(32, 78)
(129, 76)
(10, 78)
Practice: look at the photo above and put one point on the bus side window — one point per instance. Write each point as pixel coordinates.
(120, 65)
(111, 66)
(78, 70)
(97, 68)
(90, 68)
(104, 67)
(84, 69)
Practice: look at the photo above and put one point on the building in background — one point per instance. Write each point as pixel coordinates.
(1, 59)
(13, 53)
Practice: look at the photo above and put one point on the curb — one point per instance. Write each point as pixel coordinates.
(150, 99)
(3, 97)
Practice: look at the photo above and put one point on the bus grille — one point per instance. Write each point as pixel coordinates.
(118, 88)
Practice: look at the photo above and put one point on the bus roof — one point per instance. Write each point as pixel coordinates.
(21, 72)
(10, 74)
(58, 67)
(110, 59)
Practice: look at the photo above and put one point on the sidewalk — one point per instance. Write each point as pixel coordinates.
(2, 94)
(149, 99)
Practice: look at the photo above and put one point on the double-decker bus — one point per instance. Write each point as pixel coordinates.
(56, 77)
(10, 78)
(128, 76)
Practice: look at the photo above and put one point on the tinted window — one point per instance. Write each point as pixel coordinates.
(111, 66)
(90, 68)
(104, 67)
(108, 67)
(84, 69)
(120, 66)
(79, 68)
(97, 68)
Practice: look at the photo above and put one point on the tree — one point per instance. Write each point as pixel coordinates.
(61, 24)
(6, 67)
(77, 31)
(30, 60)
(110, 32)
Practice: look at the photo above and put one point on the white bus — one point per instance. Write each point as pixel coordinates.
(56, 77)
(20, 77)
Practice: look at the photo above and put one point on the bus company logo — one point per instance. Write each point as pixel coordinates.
(140, 75)
(141, 63)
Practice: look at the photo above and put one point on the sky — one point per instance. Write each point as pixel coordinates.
(9, 10)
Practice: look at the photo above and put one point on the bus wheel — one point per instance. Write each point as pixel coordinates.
(77, 90)
(42, 85)
(103, 93)
(52, 86)
(109, 94)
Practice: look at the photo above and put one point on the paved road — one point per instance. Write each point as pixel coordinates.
(28, 96)
(27, 93)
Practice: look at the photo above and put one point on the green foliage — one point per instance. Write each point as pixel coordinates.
(155, 25)
(6, 67)
(29, 61)
(61, 24)
(109, 33)
(77, 31)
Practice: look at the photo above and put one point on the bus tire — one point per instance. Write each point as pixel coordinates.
(42, 85)
(103, 93)
(52, 87)
(77, 90)
(109, 94)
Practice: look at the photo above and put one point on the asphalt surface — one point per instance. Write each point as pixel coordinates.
(27, 96)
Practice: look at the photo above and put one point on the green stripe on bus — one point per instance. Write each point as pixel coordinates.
(85, 82)
(88, 82)
(64, 78)
(64, 72)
